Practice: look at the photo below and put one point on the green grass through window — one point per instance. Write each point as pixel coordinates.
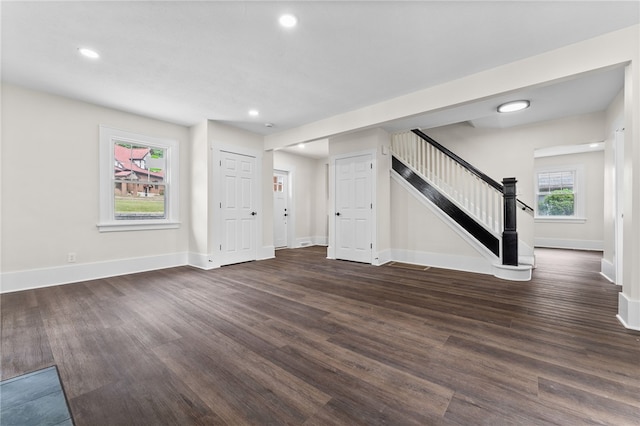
(139, 205)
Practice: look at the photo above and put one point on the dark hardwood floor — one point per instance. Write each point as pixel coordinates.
(303, 340)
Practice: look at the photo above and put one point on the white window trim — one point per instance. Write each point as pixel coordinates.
(107, 221)
(578, 190)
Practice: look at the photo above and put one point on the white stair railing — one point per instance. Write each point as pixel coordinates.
(479, 199)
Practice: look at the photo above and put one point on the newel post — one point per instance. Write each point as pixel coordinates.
(510, 233)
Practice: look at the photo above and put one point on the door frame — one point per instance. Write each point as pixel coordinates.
(290, 206)
(618, 253)
(215, 218)
(331, 248)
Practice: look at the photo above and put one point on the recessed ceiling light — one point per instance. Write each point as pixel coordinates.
(88, 53)
(254, 112)
(514, 106)
(288, 20)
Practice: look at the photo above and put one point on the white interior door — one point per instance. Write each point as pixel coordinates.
(280, 208)
(239, 214)
(353, 208)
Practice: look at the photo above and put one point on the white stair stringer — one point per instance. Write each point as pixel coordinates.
(493, 264)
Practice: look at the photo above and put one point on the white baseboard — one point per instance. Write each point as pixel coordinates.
(478, 265)
(266, 252)
(73, 273)
(527, 260)
(331, 252)
(526, 254)
(628, 312)
(311, 241)
(202, 261)
(512, 273)
(594, 245)
(46, 277)
(608, 270)
(383, 257)
(320, 240)
(304, 242)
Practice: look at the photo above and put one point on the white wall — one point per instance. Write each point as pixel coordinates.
(199, 196)
(420, 236)
(583, 235)
(614, 121)
(268, 249)
(377, 141)
(224, 137)
(50, 186)
(629, 298)
(321, 223)
(509, 152)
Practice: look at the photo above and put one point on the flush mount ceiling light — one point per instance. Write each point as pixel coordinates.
(288, 20)
(254, 112)
(514, 106)
(88, 53)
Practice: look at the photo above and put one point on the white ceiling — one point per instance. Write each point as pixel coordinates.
(582, 94)
(186, 62)
(314, 149)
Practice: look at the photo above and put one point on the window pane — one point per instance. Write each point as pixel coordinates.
(136, 200)
(278, 182)
(557, 203)
(139, 163)
(556, 195)
(543, 182)
(567, 180)
(139, 189)
(555, 181)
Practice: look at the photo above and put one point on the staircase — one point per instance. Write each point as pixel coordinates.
(474, 204)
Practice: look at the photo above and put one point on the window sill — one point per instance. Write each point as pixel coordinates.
(572, 219)
(136, 226)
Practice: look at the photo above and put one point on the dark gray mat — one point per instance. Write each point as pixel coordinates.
(34, 399)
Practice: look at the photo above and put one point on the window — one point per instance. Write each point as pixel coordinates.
(278, 183)
(557, 193)
(138, 181)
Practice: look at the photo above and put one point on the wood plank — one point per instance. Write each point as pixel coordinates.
(24, 342)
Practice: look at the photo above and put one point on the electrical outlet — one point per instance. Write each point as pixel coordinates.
(71, 258)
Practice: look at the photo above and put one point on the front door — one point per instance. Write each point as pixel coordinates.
(353, 208)
(239, 214)
(280, 210)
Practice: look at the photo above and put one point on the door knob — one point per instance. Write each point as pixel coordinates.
(337, 213)
(253, 213)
